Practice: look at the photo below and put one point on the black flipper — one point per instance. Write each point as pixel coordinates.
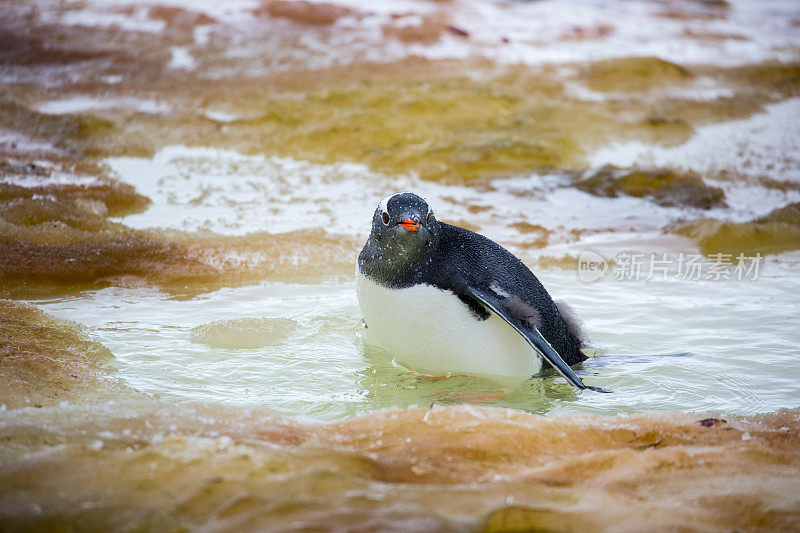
(534, 338)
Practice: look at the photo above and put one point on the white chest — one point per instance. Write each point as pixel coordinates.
(433, 332)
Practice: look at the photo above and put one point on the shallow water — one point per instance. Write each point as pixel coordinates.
(230, 388)
(739, 334)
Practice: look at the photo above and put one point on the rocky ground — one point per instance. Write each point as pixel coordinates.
(81, 82)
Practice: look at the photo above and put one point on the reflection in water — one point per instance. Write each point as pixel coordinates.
(389, 384)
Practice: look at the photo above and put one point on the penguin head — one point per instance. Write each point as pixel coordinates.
(404, 225)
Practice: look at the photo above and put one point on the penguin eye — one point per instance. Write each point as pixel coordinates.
(385, 217)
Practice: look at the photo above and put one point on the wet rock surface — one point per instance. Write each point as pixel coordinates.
(45, 361)
(665, 187)
(157, 466)
(776, 232)
(634, 74)
(429, 95)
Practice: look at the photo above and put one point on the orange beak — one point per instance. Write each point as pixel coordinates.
(410, 225)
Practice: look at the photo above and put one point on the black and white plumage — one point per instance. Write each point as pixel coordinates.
(444, 299)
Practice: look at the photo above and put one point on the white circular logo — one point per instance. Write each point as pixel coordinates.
(591, 266)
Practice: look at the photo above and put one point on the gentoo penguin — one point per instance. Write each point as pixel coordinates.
(444, 299)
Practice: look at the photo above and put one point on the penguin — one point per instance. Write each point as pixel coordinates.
(442, 299)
